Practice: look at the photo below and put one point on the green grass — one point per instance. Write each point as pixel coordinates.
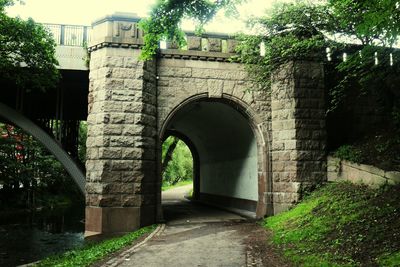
(91, 253)
(341, 224)
(390, 259)
(181, 183)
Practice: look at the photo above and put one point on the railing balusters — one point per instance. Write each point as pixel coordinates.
(69, 35)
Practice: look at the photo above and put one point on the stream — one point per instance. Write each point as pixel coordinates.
(29, 237)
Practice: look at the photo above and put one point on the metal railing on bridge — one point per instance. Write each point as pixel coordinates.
(70, 35)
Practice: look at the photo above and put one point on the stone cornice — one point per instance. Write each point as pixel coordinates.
(195, 55)
(113, 44)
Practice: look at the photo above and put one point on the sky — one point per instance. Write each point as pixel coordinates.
(84, 12)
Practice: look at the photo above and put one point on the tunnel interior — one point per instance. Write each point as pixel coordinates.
(226, 152)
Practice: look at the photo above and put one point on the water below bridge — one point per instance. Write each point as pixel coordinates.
(26, 238)
(29, 238)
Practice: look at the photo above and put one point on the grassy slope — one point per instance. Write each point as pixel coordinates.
(342, 224)
(91, 253)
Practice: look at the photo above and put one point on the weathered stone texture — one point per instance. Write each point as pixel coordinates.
(194, 43)
(340, 170)
(214, 45)
(121, 129)
(298, 130)
(180, 80)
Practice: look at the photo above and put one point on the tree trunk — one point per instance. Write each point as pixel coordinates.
(168, 155)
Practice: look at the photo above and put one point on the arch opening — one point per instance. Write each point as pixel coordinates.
(227, 153)
(177, 162)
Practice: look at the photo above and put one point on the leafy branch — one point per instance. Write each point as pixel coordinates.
(165, 18)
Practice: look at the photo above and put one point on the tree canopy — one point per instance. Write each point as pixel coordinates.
(369, 20)
(27, 52)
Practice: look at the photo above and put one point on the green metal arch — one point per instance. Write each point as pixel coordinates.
(45, 139)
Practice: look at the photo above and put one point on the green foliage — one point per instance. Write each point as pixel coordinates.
(82, 141)
(91, 253)
(29, 174)
(180, 167)
(370, 21)
(378, 148)
(27, 52)
(341, 224)
(390, 259)
(165, 17)
(289, 31)
(350, 153)
(300, 30)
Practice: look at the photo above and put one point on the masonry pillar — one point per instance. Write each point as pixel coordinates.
(298, 131)
(121, 165)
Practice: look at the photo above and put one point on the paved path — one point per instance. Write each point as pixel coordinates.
(195, 235)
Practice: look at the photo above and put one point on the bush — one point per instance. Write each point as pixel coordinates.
(350, 153)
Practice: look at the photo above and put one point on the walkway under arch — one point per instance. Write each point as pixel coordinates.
(30, 127)
(230, 152)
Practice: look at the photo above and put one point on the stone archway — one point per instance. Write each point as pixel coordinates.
(231, 151)
(131, 102)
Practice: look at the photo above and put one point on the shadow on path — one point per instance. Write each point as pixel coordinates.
(179, 210)
(197, 235)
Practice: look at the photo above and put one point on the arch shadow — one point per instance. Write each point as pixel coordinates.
(45, 139)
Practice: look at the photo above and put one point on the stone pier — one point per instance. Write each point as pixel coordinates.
(121, 143)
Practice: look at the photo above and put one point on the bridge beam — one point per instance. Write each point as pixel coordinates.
(121, 158)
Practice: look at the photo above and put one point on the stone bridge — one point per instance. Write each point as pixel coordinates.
(253, 150)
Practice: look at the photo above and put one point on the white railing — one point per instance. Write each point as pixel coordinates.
(70, 35)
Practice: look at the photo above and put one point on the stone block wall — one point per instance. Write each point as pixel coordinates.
(343, 170)
(121, 163)
(298, 131)
(180, 80)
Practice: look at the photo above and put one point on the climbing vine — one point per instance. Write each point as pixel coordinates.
(296, 31)
(287, 32)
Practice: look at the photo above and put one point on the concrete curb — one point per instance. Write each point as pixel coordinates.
(115, 261)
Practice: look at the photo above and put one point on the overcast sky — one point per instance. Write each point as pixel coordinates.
(84, 12)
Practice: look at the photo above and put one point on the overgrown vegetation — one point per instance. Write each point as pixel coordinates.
(177, 162)
(380, 149)
(91, 253)
(288, 32)
(303, 31)
(350, 153)
(341, 224)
